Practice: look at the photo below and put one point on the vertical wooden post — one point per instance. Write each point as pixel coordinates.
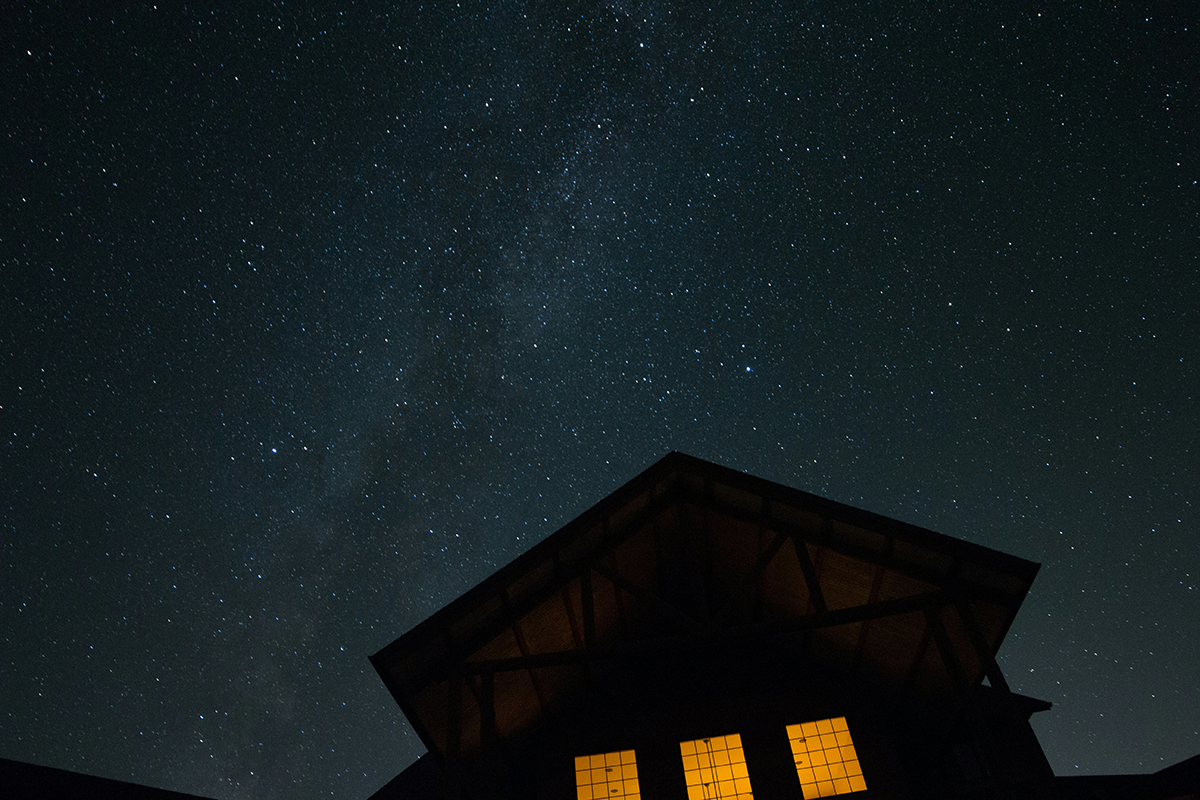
(487, 711)
(454, 717)
(589, 611)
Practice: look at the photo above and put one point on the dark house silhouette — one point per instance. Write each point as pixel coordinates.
(702, 633)
(23, 781)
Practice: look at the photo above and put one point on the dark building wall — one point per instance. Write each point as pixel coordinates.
(906, 744)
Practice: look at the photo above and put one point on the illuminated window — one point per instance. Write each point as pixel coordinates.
(607, 775)
(825, 758)
(715, 767)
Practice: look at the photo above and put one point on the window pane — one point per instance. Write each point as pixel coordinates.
(825, 758)
(607, 776)
(715, 767)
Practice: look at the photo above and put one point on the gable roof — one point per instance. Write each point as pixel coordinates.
(690, 555)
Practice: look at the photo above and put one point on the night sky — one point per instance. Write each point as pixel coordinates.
(310, 320)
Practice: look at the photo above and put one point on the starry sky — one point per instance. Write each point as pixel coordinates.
(314, 318)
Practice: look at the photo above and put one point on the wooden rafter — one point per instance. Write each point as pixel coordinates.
(824, 538)
(753, 578)
(861, 648)
(576, 632)
(954, 667)
(966, 705)
(699, 567)
(519, 635)
(766, 631)
(982, 650)
(454, 716)
(488, 733)
(665, 609)
(815, 596)
(918, 657)
(455, 651)
(587, 602)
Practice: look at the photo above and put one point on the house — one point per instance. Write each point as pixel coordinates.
(703, 633)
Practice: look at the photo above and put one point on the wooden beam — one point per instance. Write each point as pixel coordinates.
(815, 596)
(442, 662)
(826, 538)
(754, 576)
(576, 632)
(488, 734)
(945, 647)
(664, 608)
(699, 558)
(622, 614)
(990, 667)
(887, 608)
(918, 658)
(766, 631)
(519, 635)
(660, 558)
(756, 607)
(454, 717)
(876, 584)
(586, 600)
(966, 705)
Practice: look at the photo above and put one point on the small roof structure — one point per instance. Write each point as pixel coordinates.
(690, 555)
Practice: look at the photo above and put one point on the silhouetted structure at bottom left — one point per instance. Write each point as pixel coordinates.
(22, 781)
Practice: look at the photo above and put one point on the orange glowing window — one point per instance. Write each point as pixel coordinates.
(607, 775)
(825, 758)
(715, 767)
